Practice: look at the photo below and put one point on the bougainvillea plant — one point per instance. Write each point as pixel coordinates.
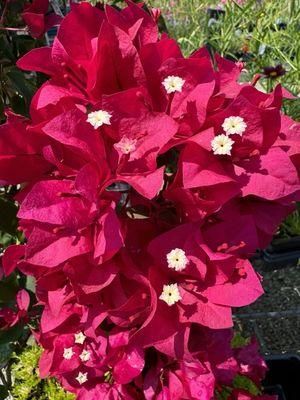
(147, 181)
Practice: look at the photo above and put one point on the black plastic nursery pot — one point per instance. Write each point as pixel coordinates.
(283, 376)
(215, 13)
(276, 390)
(282, 252)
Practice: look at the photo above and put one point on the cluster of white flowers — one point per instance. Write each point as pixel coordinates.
(84, 356)
(222, 144)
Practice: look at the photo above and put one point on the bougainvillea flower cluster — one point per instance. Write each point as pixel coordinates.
(37, 18)
(147, 181)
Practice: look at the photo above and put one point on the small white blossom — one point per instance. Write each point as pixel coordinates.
(80, 338)
(222, 144)
(234, 125)
(170, 294)
(126, 145)
(68, 353)
(177, 259)
(173, 84)
(99, 118)
(85, 355)
(81, 378)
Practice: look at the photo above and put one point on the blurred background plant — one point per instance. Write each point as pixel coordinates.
(17, 87)
(264, 34)
(291, 226)
(27, 384)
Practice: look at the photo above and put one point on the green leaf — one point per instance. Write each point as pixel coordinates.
(8, 289)
(245, 383)
(2, 108)
(24, 43)
(21, 84)
(239, 341)
(3, 392)
(6, 55)
(6, 239)
(18, 105)
(224, 394)
(5, 354)
(8, 219)
(30, 283)
(11, 335)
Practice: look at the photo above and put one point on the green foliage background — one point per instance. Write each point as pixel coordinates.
(27, 383)
(261, 33)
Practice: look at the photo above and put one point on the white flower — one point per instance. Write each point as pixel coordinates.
(81, 378)
(68, 353)
(177, 259)
(170, 294)
(99, 118)
(222, 144)
(85, 355)
(173, 84)
(80, 338)
(126, 145)
(234, 125)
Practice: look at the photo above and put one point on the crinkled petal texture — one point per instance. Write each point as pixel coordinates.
(36, 17)
(147, 180)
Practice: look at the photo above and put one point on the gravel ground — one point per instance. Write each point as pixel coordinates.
(275, 317)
